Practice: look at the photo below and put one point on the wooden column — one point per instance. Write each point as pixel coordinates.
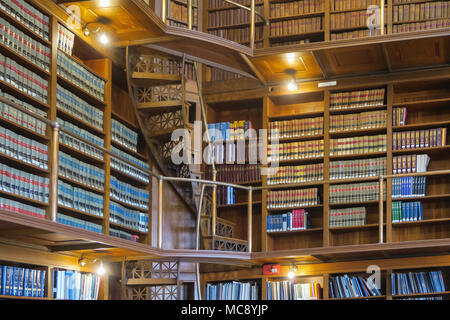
(326, 169)
(389, 110)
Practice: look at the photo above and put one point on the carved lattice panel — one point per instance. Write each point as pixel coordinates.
(225, 245)
(157, 64)
(159, 93)
(160, 292)
(224, 230)
(152, 270)
(167, 121)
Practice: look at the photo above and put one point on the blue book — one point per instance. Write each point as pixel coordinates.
(30, 282)
(20, 291)
(2, 285)
(13, 288)
(404, 214)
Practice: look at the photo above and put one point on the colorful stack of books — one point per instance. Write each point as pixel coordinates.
(231, 131)
(417, 282)
(406, 211)
(419, 138)
(357, 99)
(80, 76)
(352, 287)
(66, 39)
(287, 290)
(128, 218)
(18, 207)
(78, 223)
(128, 169)
(24, 45)
(23, 79)
(359, 168)
(22, 119)
(77, 170)
(296, 128)
(290, 221)
(123, 135)
(232, 291)
(297, 174)
(354, 192)
(235, 173)
(357, 145)
(80, 199)
(129, 194)
(295, 150)
(24, 184)
(406, 187)
(292, 198)
(28, 15)
(69, 102)
(347, 217)
(123, 235)
(358, 121)
(22, 282)
(74, 285)
(23, 149)
(399, 117)
(410, 163)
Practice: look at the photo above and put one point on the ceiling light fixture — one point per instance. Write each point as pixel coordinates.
(101, 269)
(292, 271)
(292, 84)
(103, 37)
(291, 57)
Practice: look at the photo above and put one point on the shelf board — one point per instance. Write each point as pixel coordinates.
(297, 35)
(415, 21)
(357, 109)
(234, 26)
(276, 233)
(312, 114)
(414, 223)
(421, 125)
(358, 156)
(24, 28)
(130, 179)
(295, 185)
(434, 102)
(239, 204)
(124, 121)
(81, 155)
(149, 282)
(131, 206)
(23, 298)
(13, 126)
(354, 228)
(19, 198)
(257, 3)
(23, 61)
(412, 295)
(65, 209)
(352, 180)
(347, 10)
(355, 204)
(360, 298)
(23, 96)
(297, 16)
(412, 2)
(22, 165)
(116, 225)
(302, 138)
(430, 150)
(81, 185)
(80, 92)
(81, 123)
(426, 198)
(299, 161)
(349, 133)
(348, 28)
(128, 150)
(310, 206)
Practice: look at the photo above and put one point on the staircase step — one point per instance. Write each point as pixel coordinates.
(148, 78)
(224, 221)
(163, 105)
(227, 239)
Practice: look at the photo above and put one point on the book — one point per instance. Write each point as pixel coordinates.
(296, 128)
(357, 99)
(288, 290)
(407, 211)
(357, 145)
(406, 187)
(296, 174)
(297, 219)
(347, 217)
(295, 150)
(123, 135)
(292, 198)
(78, 223)
(358, 121)
(355, 192)
(358, 168)
(123, 234)
(22, 282)
(129, 218)
(410, 163)
(18, 207)
(129, 194)
(352, 287)
(235, 290)
(128, 169)
(80, 199)
(77, 170)
(75, 285)
(417, 282)
(235, 173)
(427, 138)
(65, 39)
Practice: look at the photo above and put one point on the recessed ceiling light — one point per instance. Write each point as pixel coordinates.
(103, 38)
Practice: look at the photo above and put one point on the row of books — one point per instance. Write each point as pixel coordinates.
(18, 207)
(28, 15)
(12, 114)
(357, 145)
(358, 121)
(236, 173)
(347, 217)
(128, 218)
(79, 145)
(295, 150)
(21, 148)
(123, 235)
(417, 282)
(338, 5)
(225, 195)
(78, 223)
(127, 168)
(24, 184)
(355, 34)
(358, 168)
(180, 12)
(240, 35)
(282, 9)
(290, 221)
(419, 138)
(295, 26)
(23, 79)
(222, 75)
(296, 128)
(232, 291)
(353, 19)
(399, 117)
(66, 39)
(25, 45)
(410, 163)
(77, 107)
(176, 23)
(354, 192)
(231, 152)
(77, 170)
(420, 11)
(352, 287)
(419, 26)
(75, 285)
(79, 75)
(124, 135)
(357, 99)
(288, 43)
(292, 198)
(128, 194)
(230, 17)
(22, 282)
(297, 174)
(288, 290)
(231, 131)
(80, 199)
(406, 211)
(405, 187)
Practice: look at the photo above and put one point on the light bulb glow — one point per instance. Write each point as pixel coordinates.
(291, 57)
(291, 274)
(103, 38)
(101, 269)
(104, 3)
(292, 85)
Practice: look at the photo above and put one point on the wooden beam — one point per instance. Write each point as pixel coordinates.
(254, 69)
(386, 57)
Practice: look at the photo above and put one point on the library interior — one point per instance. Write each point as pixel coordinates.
(224, 150)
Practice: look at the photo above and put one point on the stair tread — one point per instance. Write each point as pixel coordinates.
(227, 239)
